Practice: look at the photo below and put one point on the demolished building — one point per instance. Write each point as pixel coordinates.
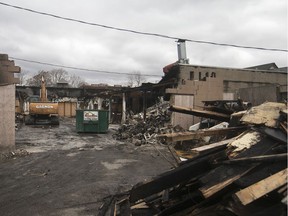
(195, 83)
(244, 172)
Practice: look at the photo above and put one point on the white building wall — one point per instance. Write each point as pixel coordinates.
(7, 117)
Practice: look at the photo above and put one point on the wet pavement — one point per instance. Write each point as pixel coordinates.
(66, 173)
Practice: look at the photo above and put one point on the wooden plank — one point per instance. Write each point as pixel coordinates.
(283, 126)
(263, 158)
(261, 188)
(73, 109)
(265, 114)
(275, 134)
(222, 176)
(230, 176)
(61, 111)
(174, 154)
(67, 109)
(211, 147)
(200, 113)
(173, 137)
(171, 178)
(124, 206)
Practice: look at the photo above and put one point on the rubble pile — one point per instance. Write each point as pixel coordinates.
(13, 154)
(243, 174)
(139, 131)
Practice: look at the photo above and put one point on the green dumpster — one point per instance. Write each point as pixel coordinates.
(92, 121)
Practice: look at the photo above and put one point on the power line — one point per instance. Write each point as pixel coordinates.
(82, 69)
(144, 33)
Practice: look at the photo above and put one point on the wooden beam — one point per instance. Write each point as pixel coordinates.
(263, 158)
(171, 178)
(231, 175)
(201, 113)
(224, 175)
(211, 147)
(261, 188)
(124, 207)
(181, 136)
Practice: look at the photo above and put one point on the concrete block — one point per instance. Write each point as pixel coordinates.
(7, 63)
(3, 57)
(14, 69)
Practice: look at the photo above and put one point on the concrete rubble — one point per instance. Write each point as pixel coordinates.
(243, 172)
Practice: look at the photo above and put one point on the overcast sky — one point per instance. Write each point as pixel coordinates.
(26, 35)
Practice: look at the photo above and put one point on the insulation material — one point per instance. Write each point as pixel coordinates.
(244, 141)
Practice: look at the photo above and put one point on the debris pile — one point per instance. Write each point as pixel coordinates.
(243, 174)
(139, 131)
(13, 154)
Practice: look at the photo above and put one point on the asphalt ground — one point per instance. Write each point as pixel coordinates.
(64, 173)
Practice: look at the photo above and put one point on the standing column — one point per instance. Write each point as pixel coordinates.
(123, 107)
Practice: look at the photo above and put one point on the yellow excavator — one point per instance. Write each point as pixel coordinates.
(42, 111)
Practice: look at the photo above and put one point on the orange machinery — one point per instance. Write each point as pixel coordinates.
(41, 111)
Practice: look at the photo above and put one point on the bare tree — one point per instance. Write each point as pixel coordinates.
(36, 79)
(135, 79)
(23, 76)
(55, 76)
(76, 81)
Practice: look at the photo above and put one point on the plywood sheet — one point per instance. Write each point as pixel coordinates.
(265, 114)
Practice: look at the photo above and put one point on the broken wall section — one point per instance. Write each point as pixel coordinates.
(261, 94)
(191, 93)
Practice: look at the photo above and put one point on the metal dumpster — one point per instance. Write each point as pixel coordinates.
(92, 121)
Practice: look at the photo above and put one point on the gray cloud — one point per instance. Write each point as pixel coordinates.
(41, 38)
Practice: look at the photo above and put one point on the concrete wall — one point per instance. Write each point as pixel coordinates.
(214, 83)
(209, 89)
(183, 120)
(7, 102)
(234, 79)
(7, 70)
(259, 95)
(7, 117)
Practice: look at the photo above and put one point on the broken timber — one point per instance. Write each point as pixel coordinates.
(201, 113)
(206, 149)
(222, 176)
(173, 137)
(263, 158)
(262, 187)
(264, 114)
(171, 178)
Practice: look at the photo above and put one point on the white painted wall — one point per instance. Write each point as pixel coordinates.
(7, 117)
(184, 120)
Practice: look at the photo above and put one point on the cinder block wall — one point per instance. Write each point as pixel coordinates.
(7, 117)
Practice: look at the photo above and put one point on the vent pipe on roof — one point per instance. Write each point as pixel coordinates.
(181, 47)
